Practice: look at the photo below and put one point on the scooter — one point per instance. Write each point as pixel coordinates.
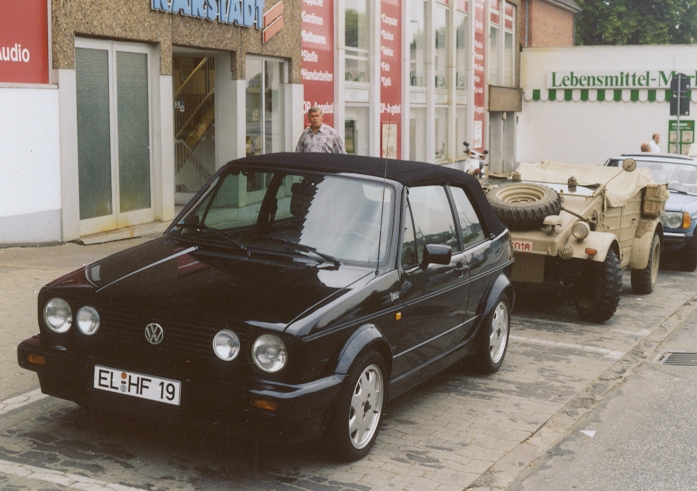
(481, 167)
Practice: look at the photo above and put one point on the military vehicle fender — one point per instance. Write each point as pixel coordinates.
(641, 249)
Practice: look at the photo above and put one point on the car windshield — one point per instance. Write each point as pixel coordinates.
(328, 218)
(679, 177)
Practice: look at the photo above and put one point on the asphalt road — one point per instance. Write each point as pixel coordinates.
(641, 437)
(457, 431)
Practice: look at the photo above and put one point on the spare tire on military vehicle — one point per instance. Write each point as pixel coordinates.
(523, 205)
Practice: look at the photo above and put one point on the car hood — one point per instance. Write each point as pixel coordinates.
(187, 278)
(682, 202)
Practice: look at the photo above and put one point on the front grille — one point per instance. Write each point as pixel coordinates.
(125, 331)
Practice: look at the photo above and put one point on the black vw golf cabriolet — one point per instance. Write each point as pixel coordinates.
(291, 298)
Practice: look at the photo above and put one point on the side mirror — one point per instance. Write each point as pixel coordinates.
(629, 165)
(437, 254)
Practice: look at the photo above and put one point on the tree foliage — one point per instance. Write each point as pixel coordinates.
(637, 22)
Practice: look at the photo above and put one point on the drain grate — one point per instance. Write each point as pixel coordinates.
(679, 358)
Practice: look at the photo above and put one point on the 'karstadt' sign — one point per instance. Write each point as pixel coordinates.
(247, 13)
(638, 79)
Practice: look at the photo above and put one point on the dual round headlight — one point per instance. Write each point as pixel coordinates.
(226, 345)
(58, 317)
(269, 352)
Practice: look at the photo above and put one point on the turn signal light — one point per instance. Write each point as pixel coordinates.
(36, 359)
(264, 404)
(591, 252)
(686, 220)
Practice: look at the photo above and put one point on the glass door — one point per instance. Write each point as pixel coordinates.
(114, 137)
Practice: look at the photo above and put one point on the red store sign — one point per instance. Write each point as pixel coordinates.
(479, 140)
(24, 42)
(318, 56)
(390, 78)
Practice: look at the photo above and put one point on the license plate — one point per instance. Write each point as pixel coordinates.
(137, 385)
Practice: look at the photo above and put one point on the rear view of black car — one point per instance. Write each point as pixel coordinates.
(290, 300)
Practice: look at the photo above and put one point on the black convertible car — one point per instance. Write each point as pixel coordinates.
(289, 300)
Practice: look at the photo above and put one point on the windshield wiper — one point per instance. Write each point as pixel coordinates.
(201, 226)
(305, 248)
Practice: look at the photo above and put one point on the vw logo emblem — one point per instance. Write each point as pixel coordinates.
(154, 333)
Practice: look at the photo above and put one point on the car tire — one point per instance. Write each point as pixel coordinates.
(524, 206)
(494, 340)
(355, 421)
(688, 256)
(598, 292)
(644, 280)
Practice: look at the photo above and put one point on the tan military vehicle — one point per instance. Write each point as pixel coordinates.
(581, 226)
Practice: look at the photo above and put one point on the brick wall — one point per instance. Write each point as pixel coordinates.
(548, 24)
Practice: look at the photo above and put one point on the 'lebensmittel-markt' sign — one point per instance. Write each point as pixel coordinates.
(615, 79)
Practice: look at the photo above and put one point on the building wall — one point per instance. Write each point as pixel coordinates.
(30, 191)
(545, 23)
(551, 25)
(133, 20)
(589, 125)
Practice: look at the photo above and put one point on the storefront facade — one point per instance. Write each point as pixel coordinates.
(585, 104)
(134, 104)
(414, 79)
(146, 99)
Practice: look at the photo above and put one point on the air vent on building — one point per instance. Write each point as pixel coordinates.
(679, 358)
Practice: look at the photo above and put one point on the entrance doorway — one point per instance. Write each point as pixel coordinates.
(193, 76)
(114, 134)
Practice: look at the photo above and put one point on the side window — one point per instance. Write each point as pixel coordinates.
(472, 232)
(409, 250)
(433, 218)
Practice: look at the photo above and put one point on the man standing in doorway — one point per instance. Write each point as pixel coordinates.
(319, 137)
(655, 140)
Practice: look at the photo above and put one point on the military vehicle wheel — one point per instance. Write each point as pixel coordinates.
(597, 293)
(688, 256)
(524, 206)
(643, 280)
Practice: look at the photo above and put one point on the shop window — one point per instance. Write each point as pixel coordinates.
(509, 46)
(356, 40)
(461, 51)
(417, 130)
(442, 131)
(417, 44)
(356, 130)
(264, 109)
(461, 128)
(441, 39)
(502, 44)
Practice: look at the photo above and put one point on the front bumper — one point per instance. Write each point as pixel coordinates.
(674, 241)
(256, 409)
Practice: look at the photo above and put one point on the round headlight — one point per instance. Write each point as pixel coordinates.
(226, 345)
(673, 220)
(580, 230)
(57, 315)
(269, 353)
(87, 320)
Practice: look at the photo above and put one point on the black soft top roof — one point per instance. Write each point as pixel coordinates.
(406, 172)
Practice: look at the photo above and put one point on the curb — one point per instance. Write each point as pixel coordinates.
(524, 456)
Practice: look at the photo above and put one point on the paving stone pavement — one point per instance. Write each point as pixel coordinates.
(457, 431)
